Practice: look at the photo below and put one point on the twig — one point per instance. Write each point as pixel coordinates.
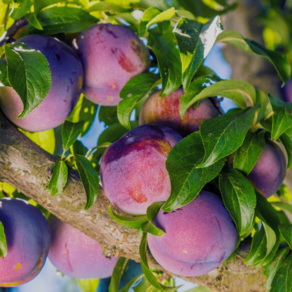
(216, 102)
(7, 36)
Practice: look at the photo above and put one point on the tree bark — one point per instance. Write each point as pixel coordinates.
(28, 168)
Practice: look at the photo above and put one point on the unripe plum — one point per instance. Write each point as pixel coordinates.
(67, 81)
(165, 111)
(269, 172)
(133, 171)
(198, 237)
(111, 55)
(28, 239)
(77, 255)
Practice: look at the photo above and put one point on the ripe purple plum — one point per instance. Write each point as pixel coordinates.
(269, 172)
(288, 91)
(198, 237)
(77, 255)
(111, 55)
(28, 239)
(165, 111)
(67, 81)
(133, 172)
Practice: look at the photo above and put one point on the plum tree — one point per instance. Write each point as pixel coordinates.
(133, 172)
(77, 255)
(198, 237)
(28, 239)
(269, 172)
(111, 55)
(165, 111)
(67, 82)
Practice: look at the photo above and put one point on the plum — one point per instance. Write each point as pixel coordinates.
(28, 239)
(77, 255)
(269, 171)
(198, 237)
(111, 55)
(165, 111)
(67, 81)
(133, 172)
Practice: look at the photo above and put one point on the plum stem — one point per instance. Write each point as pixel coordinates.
(216, 102)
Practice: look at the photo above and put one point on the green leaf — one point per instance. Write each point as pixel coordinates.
(151, 228)
(109, 7)
(286, 232)
(186, 180)
(160, 4)
(281, 119)
(29, 74)
(239, 198)
(223, 135)
(283, 206)
(118, 271)
(84, 110)
(41, 4)
(89, 178)
(78, 148)
(282, 280)
(199, 289)
(195, 40)
(144, 265)
(59, 178)
(286, 140)
(236, 90)
(3, 244)
(131, 283)
(279, 60)
(153, 15)
(261, 98)
(284, 192)
(153, 210)
(272, 268)
(88, 285)
(134, 222)
(64, 19)
(168, 58)
(22, 9)
(135, 89)
(32, 19)
(249, 152)
(70, 133)
(108, 115)
(2, 69)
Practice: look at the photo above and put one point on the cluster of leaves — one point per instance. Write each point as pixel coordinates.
(180, 33)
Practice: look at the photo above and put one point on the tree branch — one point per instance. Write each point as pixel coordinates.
(28, 168)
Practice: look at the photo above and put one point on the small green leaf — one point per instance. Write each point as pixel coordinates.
(29, 74)
(131, 283)
(223, 135)
(22, 9)
(135, 89)
(281, 119)
(279, 60)
(151, 228)
(89, 178)
(249, 152)
(144, 264)
(32, 19)
(118, 271)
(41, 4)
(284, 192)
(59, 178)
(186, 180)
(2, 69)
(195, 40)
(236, 90)
(168, 58)
(199, 289)
(239, 198)
(153, 210)
(153, 15)
(283, 206)
(134, 222)
(261, 98)
(3, 244)
(272, 268)
(103, 6)
(88, 285)
(286, 232)
(85, 110)
(108, 115)
(286, 140)
(70, 133)
(282, 281)
(159, 4)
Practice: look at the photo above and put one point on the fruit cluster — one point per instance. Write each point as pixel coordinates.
(198, 236)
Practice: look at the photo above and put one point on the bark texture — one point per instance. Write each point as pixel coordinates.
(28, 168)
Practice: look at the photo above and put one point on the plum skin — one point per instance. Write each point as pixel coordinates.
(198, 237)
(77, 255)
(28, 239)
(165, 111)
(133, 172)
(269, 172)
(67, 81)
(111, 55)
